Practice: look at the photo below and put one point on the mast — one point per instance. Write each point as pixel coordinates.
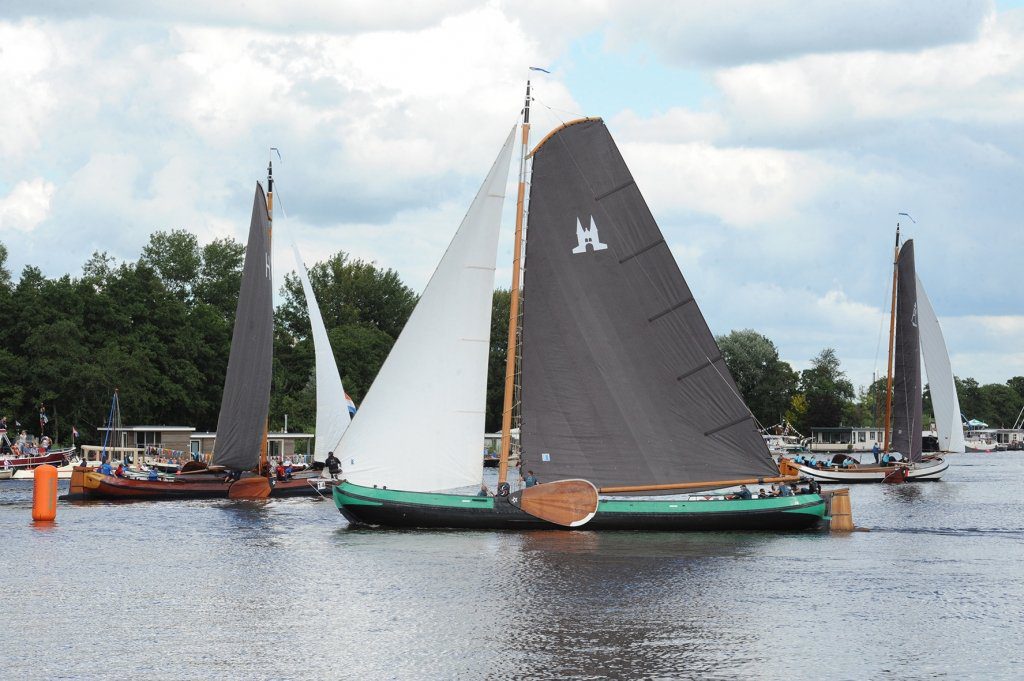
(264, 468)
(892, 337)
(513, 311)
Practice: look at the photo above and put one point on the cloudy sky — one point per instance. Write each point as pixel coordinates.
(776, 142)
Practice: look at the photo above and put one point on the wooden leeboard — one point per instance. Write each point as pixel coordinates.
(569, 503)
(256, 487)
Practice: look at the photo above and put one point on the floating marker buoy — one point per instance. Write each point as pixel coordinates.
(44, 494)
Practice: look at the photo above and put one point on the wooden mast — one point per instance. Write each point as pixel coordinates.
(264, 468)
(892, 336)
(513, 312)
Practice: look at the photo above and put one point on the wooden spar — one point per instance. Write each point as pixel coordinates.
(892, 337)
(264, 468)
(711, 484)
(513, 311)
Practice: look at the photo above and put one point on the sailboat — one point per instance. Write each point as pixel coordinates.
(913, 331)
(622, 389)
(239, 468)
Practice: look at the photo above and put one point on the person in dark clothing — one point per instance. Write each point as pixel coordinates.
(743, 493)
(333, 464)
(530, 479)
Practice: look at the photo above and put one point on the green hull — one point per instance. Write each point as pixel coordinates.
(396, 508)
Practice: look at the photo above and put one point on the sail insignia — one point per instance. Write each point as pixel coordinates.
(588, 238)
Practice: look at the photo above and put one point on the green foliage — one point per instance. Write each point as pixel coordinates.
(826, 391)
(364, 309)
(997, 404)
(501, 302)
(766, 383)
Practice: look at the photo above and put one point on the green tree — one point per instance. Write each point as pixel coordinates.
(220, 276)
(501, 302)
(766, 383)
(968, 393)
(176, 257)
(826, 390)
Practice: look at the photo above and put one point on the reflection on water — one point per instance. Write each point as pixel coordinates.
(284, 589)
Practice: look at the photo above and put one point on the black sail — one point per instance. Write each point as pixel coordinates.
(246, 401)
(906, 384)
(622, 381)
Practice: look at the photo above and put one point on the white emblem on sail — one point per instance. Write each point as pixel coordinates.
(588, 237)
(913, 317)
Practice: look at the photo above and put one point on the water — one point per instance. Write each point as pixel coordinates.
(284, 589)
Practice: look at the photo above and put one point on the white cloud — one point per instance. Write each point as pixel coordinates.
(27, 205)
(27, 51)
(742, 186)
(977, 80)
(743, 31)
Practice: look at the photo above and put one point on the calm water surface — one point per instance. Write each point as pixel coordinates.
(285, 589)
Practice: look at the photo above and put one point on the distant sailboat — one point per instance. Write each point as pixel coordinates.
(623, 388)
(239, 466)
(914, 331)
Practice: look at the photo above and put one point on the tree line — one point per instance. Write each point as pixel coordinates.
(823, 396)
(159, 330)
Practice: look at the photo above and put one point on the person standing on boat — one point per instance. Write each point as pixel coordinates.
(875, 451)
(333, 465)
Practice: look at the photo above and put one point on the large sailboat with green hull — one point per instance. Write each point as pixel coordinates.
(628, 415)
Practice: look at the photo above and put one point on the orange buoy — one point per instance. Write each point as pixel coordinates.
(44, 494)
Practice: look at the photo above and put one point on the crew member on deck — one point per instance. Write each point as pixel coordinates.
(530, 479)
(743, 493)
(333, 464)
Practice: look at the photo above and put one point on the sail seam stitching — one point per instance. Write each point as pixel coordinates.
(727, 425)
(694, 370)
(671, 309)
(616, 189)
(643, 250)
(480, 267)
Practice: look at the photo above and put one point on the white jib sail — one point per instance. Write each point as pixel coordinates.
(945, 403)
(332, 417)
(421, 425)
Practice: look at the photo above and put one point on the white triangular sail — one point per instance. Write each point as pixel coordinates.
(945, 403)
(421, 425)
(332, 416)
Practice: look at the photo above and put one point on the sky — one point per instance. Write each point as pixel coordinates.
(776, 142)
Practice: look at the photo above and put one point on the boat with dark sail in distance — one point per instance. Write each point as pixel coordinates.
(623, 389)
(239, 466)
(914, 331)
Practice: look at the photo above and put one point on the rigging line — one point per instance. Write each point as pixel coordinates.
(650, 279)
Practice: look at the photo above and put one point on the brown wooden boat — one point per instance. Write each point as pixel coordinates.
(18, 460)
(87, 484)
